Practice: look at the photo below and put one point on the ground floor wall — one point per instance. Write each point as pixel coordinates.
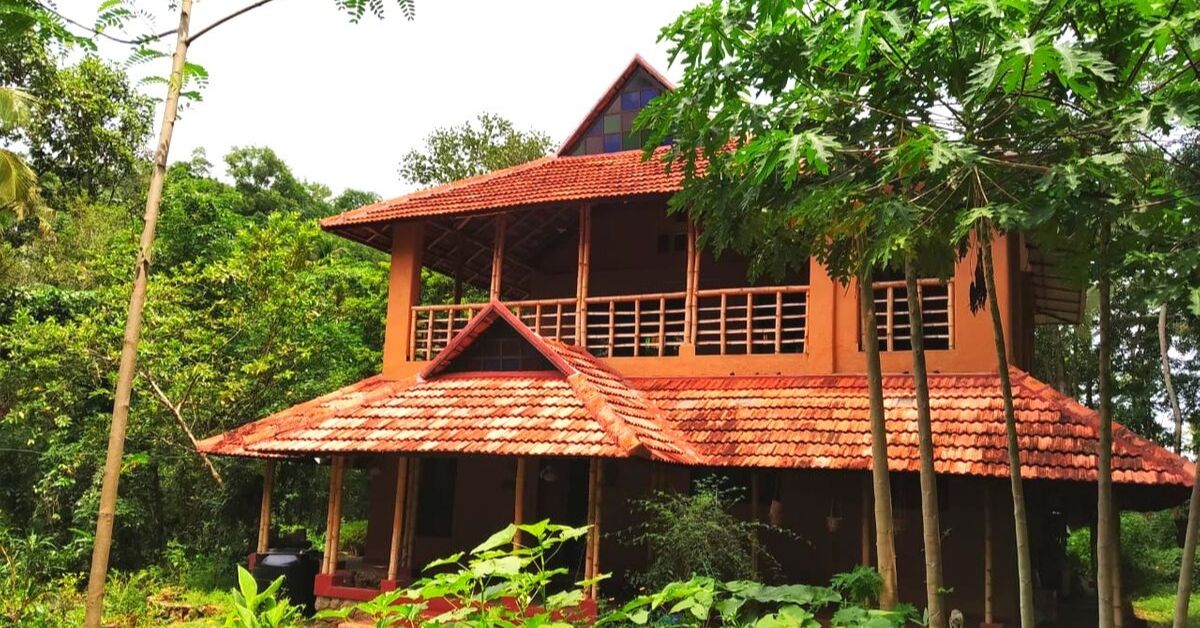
(461, 501)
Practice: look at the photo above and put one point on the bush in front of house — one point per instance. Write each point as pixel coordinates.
(496, 584)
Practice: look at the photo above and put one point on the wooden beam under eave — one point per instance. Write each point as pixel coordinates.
(264, 509)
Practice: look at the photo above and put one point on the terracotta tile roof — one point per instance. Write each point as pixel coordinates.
(821, 422)
(539, 182)
(584, 408)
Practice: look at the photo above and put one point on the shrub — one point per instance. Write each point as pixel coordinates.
(259, 609)
(695, 535)
(352, 537)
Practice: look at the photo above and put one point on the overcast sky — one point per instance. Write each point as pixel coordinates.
(342, 102)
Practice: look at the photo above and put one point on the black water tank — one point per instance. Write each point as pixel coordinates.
(298, 567)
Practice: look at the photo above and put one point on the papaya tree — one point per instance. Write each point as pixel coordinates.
(866, 127)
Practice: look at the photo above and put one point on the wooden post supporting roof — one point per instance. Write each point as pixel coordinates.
(498, 256)
(597, 509)
(754, 496)
(691, 285)
(333, 520)
(264, 509)
(583, 272)
(518, 502)
(410, 516)
(865, 529)
(399, 506)
(987, 554)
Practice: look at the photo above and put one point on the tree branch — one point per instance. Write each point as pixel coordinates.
(178, 414)
(246, 9)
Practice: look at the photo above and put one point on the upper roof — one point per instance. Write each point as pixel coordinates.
(584, 408)
(537, 183)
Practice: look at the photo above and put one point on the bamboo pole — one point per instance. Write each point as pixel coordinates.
(107, 512)
(754, 495)
(591, 521)
(598, 506)
(519, 502)
(583, 268)
(498, 256)
(264, 509)
(399, 506)
(337, 514)
(410, 517)
(689, 305)
(333, 516)
(865, 538)
(987, 555)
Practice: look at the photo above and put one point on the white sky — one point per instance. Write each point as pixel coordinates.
(341, 102)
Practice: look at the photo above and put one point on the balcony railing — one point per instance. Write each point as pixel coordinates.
(892, 320)
(769, 320)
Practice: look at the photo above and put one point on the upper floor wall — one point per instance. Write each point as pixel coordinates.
(653, 304)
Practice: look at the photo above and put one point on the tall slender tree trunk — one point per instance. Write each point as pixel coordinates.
(133, 331)
(1104, 504)
(1021, 529)
(1164, 351)
(1183, 592)
(885, 541)
(930, 525)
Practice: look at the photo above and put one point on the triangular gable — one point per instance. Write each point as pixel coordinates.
(462, 343)
(608, 126)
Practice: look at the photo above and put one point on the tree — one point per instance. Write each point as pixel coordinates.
(180, 72)
(269, 185)
(18, 183)
(471, 148)
(1016, 116)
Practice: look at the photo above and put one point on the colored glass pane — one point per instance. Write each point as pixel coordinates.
(629, 101)
(612, 123)
(612, 143)
(594, 144)
(632, 140)
(647, 95)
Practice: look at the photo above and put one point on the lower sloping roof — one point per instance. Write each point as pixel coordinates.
(584, 408)
(822, 422)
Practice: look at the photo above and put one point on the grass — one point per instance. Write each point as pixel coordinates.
(1157, 610)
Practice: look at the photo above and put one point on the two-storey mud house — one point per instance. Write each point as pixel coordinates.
(614, 358)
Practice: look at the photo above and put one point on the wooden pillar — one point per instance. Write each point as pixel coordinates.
(1118, 594)
(865, 529)
(459, 262)
(404, 292)
(597, 507)
(754, 499)
(399, 506)
(988, 606)
(691, 286)
(410, 515)
(583, 272)
(264, 509)
(333, 521)
(518, 502)
(498, 256)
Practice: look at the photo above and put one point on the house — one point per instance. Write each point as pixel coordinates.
(613, 358)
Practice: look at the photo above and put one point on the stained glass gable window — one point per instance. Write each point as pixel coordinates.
(610, 127)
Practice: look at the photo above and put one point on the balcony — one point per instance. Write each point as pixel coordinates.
(728, 321)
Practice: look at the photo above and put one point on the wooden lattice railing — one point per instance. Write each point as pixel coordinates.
(937, 311)
(768, 320)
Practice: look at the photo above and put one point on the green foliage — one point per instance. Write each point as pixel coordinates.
(268, 185)
(353, 537)
(1150, 552)
(259, 609)
(695, 535)
(470, 149)
(492, 585)
(860, 585)
(703, 601)
(1158, 610)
